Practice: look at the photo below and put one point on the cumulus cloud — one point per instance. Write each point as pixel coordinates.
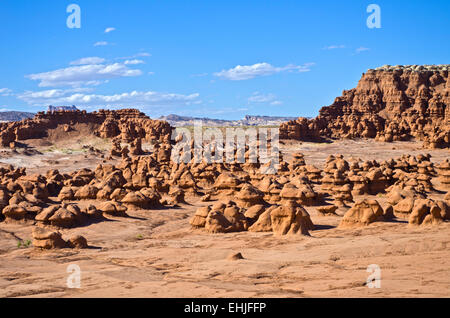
(258, 97)
(101, 43)
(334, 47)
(91, 74)
(5, 92)
(128, 99)
(88, 61)
(246, 72)
(107, 30)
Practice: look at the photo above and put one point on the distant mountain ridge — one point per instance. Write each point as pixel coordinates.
(62, 108)
(15, 116)
(172, 119)
(248, 120)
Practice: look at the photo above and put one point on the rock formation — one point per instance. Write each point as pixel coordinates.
(48, 239)
(126, 124)
(389, 104)
(362, 213)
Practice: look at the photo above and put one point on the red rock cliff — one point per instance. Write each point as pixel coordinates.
(390, 103)
(128, 124)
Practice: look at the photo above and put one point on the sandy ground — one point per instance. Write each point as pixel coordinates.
(154, 253)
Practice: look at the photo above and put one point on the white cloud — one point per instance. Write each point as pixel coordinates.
(93, 74)
(134, 62)
(257, 97)
(142, 54)
(129, 99)
(361, 49)
(109, 30)
(246, 72)
(88, 61)
(261, 98)
(333, 47)
(276, 103)
(101, 43)
(5, 92)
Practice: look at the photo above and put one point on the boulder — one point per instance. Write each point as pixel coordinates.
(47, 239)
(78, 242)
(112, 209)
(362, 213)
(327, 209)
(289, 220)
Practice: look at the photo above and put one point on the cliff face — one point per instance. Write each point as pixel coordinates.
(127, 124)
(389, 104)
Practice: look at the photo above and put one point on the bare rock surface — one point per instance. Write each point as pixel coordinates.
(390, 103)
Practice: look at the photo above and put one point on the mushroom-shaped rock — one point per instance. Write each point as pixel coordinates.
(404, 208)
(66, 217)
(47, 213)
(224, 218)
(92, 212)
(15, 212)
(327, 209)
(105, 193)
(362, 214)
(152, 195)
(216, 222)
(199, 219)
(254, 212)
(112, 209)
(343, 195)
(249, 196)
(290, 220)
(137, 199)
(377, 181)
(176, 195)
(227, 181)
(118, 194)
(291, 195)
(236, 218)
(86, 192)
(426, 212)
(264, 222)
(47, 239)
(444, 174)
(314, 174)
(66, 194)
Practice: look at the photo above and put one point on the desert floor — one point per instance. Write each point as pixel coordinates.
(155, 253)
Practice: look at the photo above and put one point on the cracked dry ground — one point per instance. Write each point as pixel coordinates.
(155, 253)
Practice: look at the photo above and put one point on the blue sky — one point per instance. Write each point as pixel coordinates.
(212, 58)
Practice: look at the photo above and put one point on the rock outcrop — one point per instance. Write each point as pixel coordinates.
(128, 125)
(391, 103)
(362, 213)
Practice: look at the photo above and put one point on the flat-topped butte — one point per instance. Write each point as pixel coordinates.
(414, 68)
